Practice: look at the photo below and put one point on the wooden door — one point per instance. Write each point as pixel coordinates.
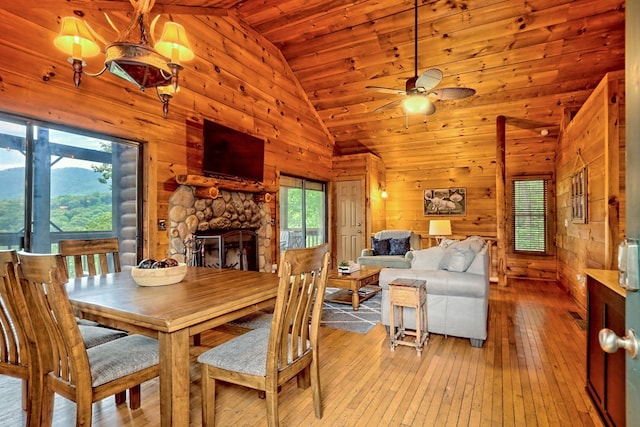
(633, 193)
(350, 219)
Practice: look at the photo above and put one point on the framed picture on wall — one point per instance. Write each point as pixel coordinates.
(579, 196)
(445, 201)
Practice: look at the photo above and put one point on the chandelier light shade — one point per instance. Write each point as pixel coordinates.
(174, 43)
(439, 228)
(131, 57)
(75, 39)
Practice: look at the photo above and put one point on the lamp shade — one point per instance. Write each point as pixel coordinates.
(75, 39)
(440, 227)
(174, 43)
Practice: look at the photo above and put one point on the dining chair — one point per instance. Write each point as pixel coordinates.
(18, 351)
(266, 358)
(81, 254)
(73, 371)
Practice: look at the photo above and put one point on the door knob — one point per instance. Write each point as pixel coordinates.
(610, 342)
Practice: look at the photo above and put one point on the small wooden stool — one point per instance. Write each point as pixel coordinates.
(408, 293)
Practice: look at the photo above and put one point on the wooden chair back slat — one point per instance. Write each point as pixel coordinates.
(83, 253)
(19, 355)
(35, 271)
(303, 279)
(11, 331)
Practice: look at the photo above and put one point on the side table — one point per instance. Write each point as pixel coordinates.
(408, 293)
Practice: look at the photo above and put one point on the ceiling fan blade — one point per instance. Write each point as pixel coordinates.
(387, 90)
(392, 104)
(449, 93)
(429, 79)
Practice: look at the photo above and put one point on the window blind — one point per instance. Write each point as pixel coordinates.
(529, 215)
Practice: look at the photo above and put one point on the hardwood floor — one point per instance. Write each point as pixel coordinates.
(530, 372)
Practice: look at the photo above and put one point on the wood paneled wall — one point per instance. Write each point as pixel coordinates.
(237, 78)
(597, 133)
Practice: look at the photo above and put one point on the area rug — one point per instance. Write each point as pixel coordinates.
(334, 315)
(342, 316)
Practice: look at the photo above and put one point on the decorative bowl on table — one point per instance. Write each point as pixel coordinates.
(159, 276)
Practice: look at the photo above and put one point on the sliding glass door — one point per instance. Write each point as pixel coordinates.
(303, 213)
(63, 184)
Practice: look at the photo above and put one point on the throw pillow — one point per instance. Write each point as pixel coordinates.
(380, 246)
(476, 243)
(399, 246)
(427, 259)
(458, 257)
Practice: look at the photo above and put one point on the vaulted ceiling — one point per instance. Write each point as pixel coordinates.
(529, 60)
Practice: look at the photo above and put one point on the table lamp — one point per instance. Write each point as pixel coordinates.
(439, 228)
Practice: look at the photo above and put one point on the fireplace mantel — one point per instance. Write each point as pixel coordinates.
(224, 184)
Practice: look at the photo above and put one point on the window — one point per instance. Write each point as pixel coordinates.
(303, 213)
(63, 184)
(530, 213)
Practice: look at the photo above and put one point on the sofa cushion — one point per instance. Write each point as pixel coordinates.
(427, 259)
(380, 246)
(399, 246)
(458, 256)
(392, 261)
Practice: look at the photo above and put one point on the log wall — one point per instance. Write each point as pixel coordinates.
(237, 79)
(597, 133)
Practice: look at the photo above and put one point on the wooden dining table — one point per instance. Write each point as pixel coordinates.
(205, 298)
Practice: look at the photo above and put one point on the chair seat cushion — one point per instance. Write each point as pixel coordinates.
(86, 322)
(246, 353)
(96, 335)
(121, 357)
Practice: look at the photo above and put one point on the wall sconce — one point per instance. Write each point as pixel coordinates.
(383, 191)
(439, 228)
(135, 61)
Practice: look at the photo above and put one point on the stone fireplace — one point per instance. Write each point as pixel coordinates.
(231, 210)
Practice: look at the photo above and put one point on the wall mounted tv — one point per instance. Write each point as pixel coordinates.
(228, 153)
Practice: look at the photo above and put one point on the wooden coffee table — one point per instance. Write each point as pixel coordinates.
(355, 287)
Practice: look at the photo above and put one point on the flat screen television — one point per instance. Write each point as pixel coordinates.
(228, 153)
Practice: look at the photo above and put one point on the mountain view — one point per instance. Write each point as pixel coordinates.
(79, 202)
(64, 181)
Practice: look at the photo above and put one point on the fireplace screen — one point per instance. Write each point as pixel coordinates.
(236, 249)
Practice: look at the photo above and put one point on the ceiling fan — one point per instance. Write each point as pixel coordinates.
(419, 89)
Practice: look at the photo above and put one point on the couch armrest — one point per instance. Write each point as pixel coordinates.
(367, 252)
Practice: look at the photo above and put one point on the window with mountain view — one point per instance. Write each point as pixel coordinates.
(63, 184)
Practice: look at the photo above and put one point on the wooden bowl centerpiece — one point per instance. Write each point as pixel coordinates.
(158, 273)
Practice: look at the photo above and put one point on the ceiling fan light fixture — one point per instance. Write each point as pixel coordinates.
(415, 104)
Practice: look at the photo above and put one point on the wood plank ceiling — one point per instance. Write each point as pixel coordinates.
(530, 60)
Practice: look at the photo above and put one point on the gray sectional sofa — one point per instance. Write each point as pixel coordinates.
(457, 276)
(390, 248)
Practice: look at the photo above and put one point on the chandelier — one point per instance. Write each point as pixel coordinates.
(131, 57)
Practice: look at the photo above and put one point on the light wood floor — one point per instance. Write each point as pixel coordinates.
(530, 372)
